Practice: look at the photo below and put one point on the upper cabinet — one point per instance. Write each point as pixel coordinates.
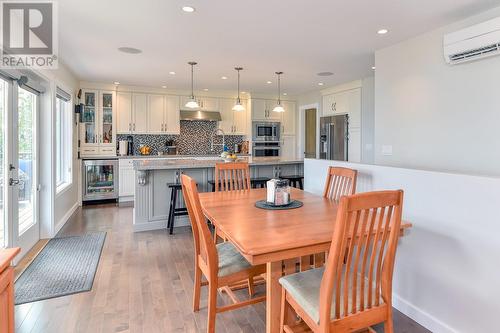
(262, 109)
(232, 123)
(206, 103)
(98, 123)
(148, 113)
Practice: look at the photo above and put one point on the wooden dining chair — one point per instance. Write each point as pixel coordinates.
(340, 182)
(221, 264)
(353, 291)
(232, 176)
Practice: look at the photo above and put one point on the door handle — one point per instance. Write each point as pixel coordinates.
(13, 181)
(134, 126)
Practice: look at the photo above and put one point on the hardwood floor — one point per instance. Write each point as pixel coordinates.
(144, 283)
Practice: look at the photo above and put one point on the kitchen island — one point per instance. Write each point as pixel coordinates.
(152, 195)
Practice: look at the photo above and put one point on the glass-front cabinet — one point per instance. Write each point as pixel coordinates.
(98, 124)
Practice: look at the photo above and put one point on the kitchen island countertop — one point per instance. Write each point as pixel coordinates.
(207, 162)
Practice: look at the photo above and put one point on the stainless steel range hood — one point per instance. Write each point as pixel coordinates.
(200, 115)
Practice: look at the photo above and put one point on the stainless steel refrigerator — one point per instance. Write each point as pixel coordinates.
(334, 138)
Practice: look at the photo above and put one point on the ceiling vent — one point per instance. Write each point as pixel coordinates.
(473, 43)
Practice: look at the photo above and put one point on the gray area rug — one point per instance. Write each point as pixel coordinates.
(66, 266)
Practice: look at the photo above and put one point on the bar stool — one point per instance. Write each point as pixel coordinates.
(294, 180)
(260, 182)
(174, 211)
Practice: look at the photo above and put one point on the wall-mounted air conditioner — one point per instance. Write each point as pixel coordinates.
(473, 43)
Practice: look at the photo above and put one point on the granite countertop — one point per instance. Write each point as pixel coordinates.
(150, 157)
(206, 162)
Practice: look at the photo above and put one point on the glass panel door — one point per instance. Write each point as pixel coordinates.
(3, 150)
(100, 179)
(107, 118)
(89, 118)
(26, 145)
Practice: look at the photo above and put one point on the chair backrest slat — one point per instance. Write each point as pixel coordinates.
(358, 273)
(204, 244)
(340, 182)
(232, 176)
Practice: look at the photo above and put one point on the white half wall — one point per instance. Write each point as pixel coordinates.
(447, 273)
(436, 116)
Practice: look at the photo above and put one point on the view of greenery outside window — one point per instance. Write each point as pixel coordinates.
(3, 110)
(64, 141)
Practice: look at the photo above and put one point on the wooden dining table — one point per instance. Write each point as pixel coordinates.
(277, 238)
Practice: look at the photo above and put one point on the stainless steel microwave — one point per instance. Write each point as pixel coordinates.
(266, 131)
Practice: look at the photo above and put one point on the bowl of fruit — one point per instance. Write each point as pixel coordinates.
(229, 157)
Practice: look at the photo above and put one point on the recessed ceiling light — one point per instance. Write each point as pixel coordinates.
(284, 94)
(382, 31)
(320, 83)
(373, 67)
(224, 77)
(268, 82)
(325, 74)
(243, 92)
(206, 89)
(116, 82)
(188, 9)
(130, 50)
(171, 73)
(163, 87)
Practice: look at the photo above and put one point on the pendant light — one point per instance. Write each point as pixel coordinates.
(192, 103)
(238, 107)
(278, 107)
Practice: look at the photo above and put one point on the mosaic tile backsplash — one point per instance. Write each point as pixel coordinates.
(193, 140)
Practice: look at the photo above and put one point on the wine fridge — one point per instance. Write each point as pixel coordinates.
(100, 180)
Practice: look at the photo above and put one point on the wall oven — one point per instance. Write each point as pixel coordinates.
(100, 180)
(266, 149)
(266, 131)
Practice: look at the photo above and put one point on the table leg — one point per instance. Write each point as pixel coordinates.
(273, 297)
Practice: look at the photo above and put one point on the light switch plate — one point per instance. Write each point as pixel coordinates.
(387, 150)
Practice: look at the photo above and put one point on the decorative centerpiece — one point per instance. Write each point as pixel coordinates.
(278, 196)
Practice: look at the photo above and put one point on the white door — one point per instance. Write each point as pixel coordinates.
(226, 113)
(172, 115)
(271, 115)
(124, 112)
(259, 109)
(288, 123)
(140, 113)
(21, 167)
(156, 109)
(240, 120)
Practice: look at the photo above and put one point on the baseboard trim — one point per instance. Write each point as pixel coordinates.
(430, 322)
(65, 218)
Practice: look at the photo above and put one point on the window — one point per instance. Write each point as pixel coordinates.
(64, 140)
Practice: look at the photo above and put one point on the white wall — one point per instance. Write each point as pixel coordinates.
(436, 116)
(447, 272)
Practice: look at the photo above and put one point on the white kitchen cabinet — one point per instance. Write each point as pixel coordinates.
(172, 115)
(240, 120)
(288, 146)
(259, 109)
(140, 113)
(126, 180)
(156, 114)
(124, 112)
(205, 103)
(98, 124)
(232, 123)
(288, 118)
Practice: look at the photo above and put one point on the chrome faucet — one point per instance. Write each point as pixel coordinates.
(223, 144)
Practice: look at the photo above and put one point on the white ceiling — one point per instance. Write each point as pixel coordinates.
(298, 37)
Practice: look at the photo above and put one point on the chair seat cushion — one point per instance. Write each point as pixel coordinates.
(230, 260)
(304, 288)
